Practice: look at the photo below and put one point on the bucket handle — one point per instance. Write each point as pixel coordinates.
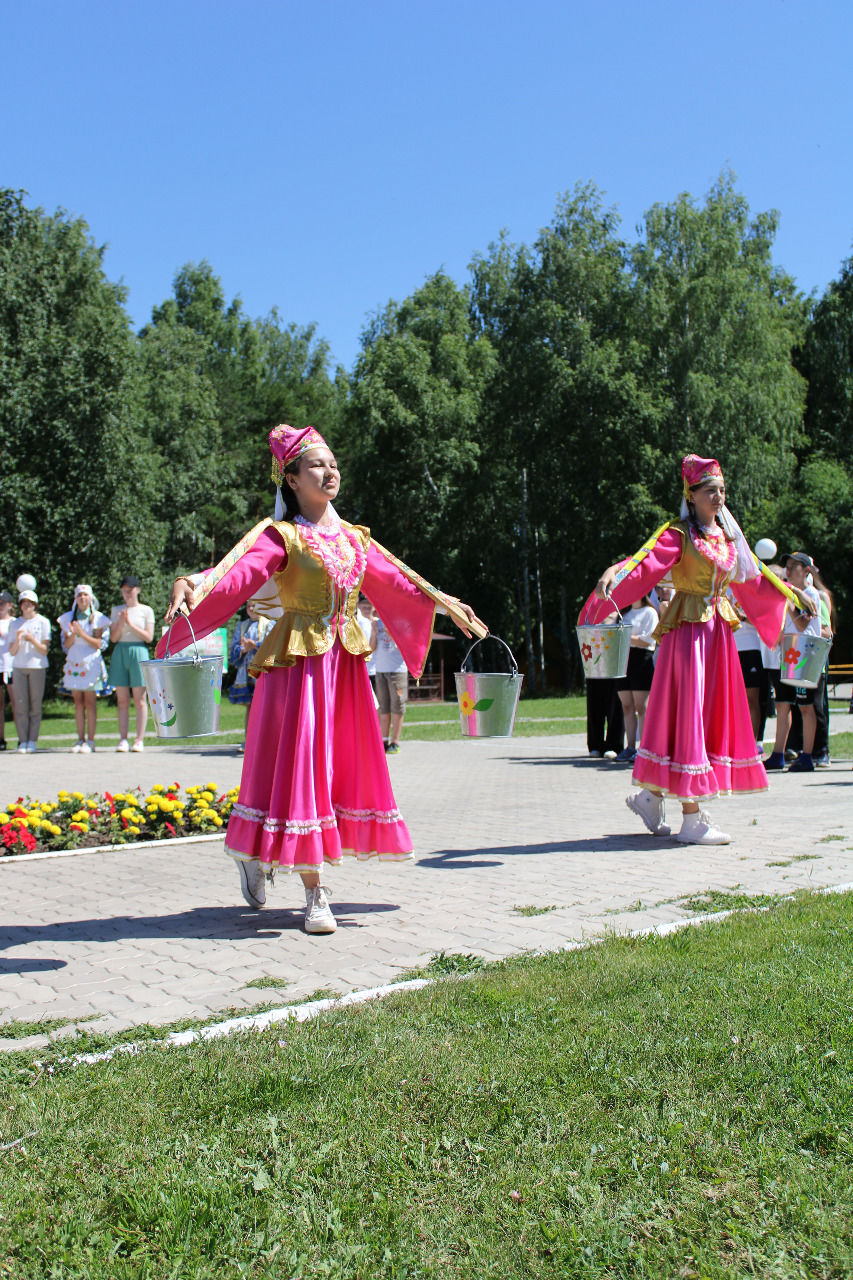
(514, 671)
(610, 600)
(185, 616)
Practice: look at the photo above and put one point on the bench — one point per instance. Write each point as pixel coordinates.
(839, 672)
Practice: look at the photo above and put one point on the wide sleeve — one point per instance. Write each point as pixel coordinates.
(764, 601)
(407, 603)
(637, 575)
(236, 578)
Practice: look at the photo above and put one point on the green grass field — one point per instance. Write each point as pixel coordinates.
(676, 1107)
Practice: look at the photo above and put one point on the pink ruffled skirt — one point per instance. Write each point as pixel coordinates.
(697, 738)
(315, 779)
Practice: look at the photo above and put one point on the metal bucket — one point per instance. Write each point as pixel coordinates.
(184, 693)
(605, 648)
(803, 659)
(488, 701)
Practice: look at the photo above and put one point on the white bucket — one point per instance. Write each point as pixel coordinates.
(605, 648)
(488, 700)
(184, 693)
(803, 660)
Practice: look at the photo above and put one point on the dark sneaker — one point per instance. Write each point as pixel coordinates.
(802, 764)
(774, 761)
(392, 748)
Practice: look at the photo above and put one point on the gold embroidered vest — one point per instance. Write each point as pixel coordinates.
(700, 583)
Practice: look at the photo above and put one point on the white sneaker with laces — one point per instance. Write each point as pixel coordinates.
(697, 828)
(138, 745)
(253, 883)
(86, 748)
(78, 746)
(649, 806)
(23, 748)
(31, 748)
(124, 745)
(318, 913)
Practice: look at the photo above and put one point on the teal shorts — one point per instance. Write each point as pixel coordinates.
(125, 671)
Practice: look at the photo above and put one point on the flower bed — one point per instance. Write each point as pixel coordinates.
(75, 820)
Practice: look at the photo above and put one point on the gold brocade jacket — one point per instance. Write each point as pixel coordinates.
(314, 611)
(700, 584)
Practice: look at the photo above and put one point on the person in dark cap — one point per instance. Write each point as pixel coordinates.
(7, 606)
(131, 631)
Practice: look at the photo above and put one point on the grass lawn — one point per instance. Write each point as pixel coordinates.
(676, 1107)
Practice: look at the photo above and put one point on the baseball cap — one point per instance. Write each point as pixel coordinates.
(130, 581)
(7, 597)
(801, 558)
(28, 595)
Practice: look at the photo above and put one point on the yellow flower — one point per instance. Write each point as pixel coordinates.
(466, 704)
(55, 830)
(4, 818)
(134, 831)
(22, 822)
(128, 815)
(206, 796)
(119, 796)
(63, 795)
(158, 786)
(77, 795)
(217, 821)
(210, 786)
(80, 815)
(167, 805)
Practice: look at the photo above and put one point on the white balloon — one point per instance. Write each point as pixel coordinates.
(765, 548)
(26, 582)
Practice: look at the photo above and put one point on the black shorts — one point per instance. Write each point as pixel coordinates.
(751, 666)
(641, 668)
(793, 693)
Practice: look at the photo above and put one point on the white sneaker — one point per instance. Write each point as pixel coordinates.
(78, 746)
(23, 748)
(318, 913)
(124, 745)
(31, 748)
(138, 745)
(697, 828)
(253, 883)
(649, 806)
(86, 748)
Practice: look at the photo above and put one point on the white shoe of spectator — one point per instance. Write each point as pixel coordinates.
(78, 746)
(138, 745)
(86, 748)
(31, 748)
(124, 745)
(697, 828)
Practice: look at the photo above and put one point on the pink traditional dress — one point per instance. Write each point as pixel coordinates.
(697, 740)
(315, 779)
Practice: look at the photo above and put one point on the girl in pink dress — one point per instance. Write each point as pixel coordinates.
(697, 740)
(315, 781)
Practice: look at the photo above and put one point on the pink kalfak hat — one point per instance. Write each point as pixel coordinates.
(696, 470)
(289, 443)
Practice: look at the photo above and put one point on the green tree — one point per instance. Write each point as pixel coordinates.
(77, 471)
(411, 450)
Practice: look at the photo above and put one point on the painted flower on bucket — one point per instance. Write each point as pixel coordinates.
(466, 704)
(792, 655)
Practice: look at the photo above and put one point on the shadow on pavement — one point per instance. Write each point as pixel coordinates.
(28, 964)
(479, 858)
(232, 923)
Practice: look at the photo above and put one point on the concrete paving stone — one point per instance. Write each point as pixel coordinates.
(496, 825)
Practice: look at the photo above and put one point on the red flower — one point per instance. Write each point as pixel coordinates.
(586, 652)
(169, 827)
(792, 655)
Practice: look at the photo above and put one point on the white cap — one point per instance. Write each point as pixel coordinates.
(28, 595)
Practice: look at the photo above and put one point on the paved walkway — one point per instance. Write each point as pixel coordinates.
(159, 934)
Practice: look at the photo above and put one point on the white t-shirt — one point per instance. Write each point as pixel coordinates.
(389, 659)
(28, 657)
(366, 625)
(812, 627)
(643, 622)
(5, 655)
(746, 638)
(141, 615)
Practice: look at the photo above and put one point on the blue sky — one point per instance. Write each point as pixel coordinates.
(325, 157)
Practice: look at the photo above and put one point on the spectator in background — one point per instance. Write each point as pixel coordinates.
(633, 688)
(131, 631)
(248, 637)
(85, 635)
(392, 685)
(798, 567)
(748, 645)
(28, 639)
(6, 613)
(827, 629)
(365, 613)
